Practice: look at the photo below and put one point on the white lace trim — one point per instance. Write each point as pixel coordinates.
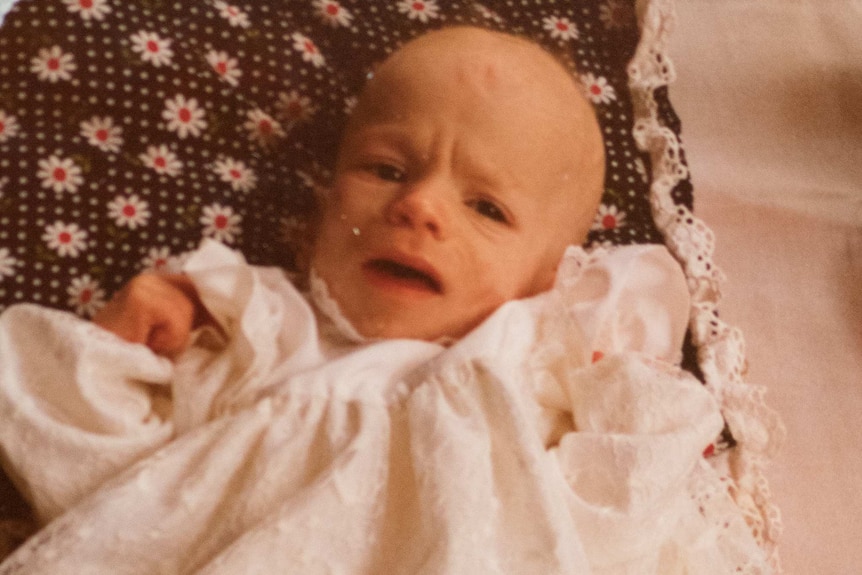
(326, 305)
(721, 348)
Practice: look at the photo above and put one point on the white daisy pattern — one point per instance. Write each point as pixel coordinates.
(226, 67)
(102, 133)
(616, 14)
(293, 107)
(129, 212)
(184, 116)
(597, 89)
(607, 218)
(560, 28)
(487, 13)
(307, 180)
(88, 9)
(221, 223)
(60, 174)
(86, 297)
(422, 10)
(232, 14)
(152, 48)
(68, 240)
(52, 64)
(262, 128)
(309, 50)
(350, 104)
(158, 259)
(7, 263)
(332, 13)
(9, 126)
(240, 177)
(161, 159)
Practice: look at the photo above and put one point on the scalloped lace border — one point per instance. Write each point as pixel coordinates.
(721, 348)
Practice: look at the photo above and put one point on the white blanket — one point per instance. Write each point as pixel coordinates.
(558, 437)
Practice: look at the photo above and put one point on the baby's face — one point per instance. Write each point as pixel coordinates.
(458, 186)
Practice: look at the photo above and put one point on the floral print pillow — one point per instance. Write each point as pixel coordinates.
(130, 130)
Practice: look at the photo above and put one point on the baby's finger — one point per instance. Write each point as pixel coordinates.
(169, 338)
(114, 318)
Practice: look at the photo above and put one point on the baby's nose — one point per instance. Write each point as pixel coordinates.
(422, 206)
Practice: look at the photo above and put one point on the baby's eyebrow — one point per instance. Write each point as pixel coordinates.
(388, 134)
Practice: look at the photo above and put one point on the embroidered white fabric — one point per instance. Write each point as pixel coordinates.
(441, 456)
(721, 349)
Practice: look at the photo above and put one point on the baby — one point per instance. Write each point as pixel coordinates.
(470, 162)
(465, 395)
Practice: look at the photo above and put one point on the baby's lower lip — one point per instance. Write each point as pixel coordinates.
(384, 279)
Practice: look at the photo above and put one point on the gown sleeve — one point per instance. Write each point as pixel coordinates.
(625, 426)
(78, 405)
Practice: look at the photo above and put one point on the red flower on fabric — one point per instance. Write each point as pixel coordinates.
(293, 107)
(85, 296)
(232, 14)
(226, 67)
(262, 128)
(52, 64)
(7, 263)
(608, 217)
(240, 177)
(102, 133)
(95, 9)
(60, 174)
(422, 10)
(561, 28)
(153, 49)
(221, 223)
(308, 49)
(9, 126)
(333, 13)
(157, 259)
(129, 212)
(68, 240)
(162, 160)
(184, 116)
(597, 89)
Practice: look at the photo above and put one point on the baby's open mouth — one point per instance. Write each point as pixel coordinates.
(405, 274)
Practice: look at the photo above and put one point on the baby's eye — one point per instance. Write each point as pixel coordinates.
(388, 172)
(489, 209)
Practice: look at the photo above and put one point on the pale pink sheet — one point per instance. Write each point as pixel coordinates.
(795, 288)
(770, 96)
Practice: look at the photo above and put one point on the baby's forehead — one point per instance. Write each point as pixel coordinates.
(480, 55)
(485, 70)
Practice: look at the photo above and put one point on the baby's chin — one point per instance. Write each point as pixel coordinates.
(361, 326)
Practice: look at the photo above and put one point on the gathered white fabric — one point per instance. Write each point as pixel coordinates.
(557, 437)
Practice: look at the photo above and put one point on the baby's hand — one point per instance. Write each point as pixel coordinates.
(159, 311)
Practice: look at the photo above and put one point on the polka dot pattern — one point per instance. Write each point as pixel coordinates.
(129, 131)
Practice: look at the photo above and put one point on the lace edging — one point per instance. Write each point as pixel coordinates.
(721, 348)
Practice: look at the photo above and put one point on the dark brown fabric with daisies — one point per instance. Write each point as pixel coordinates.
(131, 130)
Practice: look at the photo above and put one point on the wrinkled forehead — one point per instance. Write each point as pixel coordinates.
(471, 63)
